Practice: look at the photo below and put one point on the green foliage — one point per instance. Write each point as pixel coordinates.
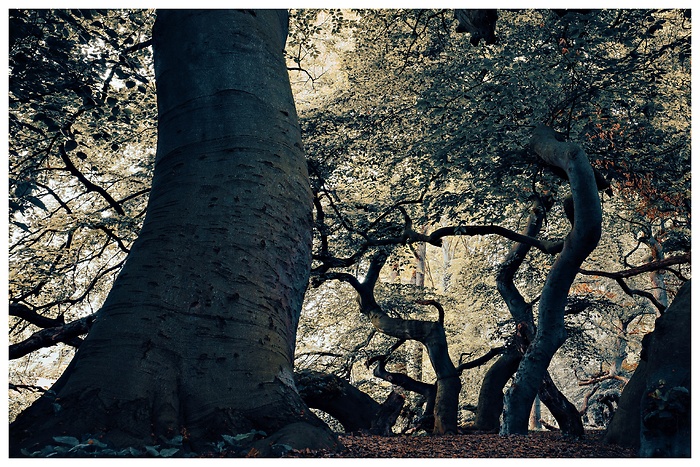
(231, 445)
(69, 446)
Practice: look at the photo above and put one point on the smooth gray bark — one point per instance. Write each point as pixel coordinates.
(580, 242)
(198, 332)
(491, 396)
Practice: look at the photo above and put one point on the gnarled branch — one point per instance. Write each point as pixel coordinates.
(651, 266)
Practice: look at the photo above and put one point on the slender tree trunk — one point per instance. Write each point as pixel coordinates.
(412, 385)
(564, 411)
(535, 415)
(415, 369)
(198, 332)
(415, 354)
(447, 257)
(490, 404)
(419, 253)
(430, 333)
(657, 277)
(581, 241)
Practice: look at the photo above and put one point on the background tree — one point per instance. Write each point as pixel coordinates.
(83, 78)
(463, 138)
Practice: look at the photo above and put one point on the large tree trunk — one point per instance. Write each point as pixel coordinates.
(198, 332)
(654, 410)
(581, 241)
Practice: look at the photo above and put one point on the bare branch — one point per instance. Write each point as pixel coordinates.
(543, 245)
(51, 336)
(23, 311)
(70, 167)
(436, 304)
(652, 266)
(30, 387)
(481, 360)
(642, 293)
(598, 379)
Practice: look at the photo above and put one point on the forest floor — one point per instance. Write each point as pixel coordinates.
(538, 444)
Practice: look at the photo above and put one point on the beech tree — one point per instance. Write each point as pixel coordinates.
(586, 218)
(192, 341)
(427, 136)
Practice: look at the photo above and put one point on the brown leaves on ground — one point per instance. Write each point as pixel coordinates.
(538, 444)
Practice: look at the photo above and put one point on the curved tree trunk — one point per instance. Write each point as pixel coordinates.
(581, 241)
(427, 391)
(198, 332)
(354, 409)
(430, 333)
(564, 412)
(491, 395)
(490, 403)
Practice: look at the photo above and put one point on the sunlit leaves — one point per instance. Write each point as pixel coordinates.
(69, 71)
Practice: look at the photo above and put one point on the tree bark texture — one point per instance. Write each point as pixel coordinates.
(198, 332)
(580, 242)
(354, 409)
(490, 403)
(564, 412)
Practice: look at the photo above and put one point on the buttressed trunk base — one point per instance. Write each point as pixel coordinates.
(197, 336)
